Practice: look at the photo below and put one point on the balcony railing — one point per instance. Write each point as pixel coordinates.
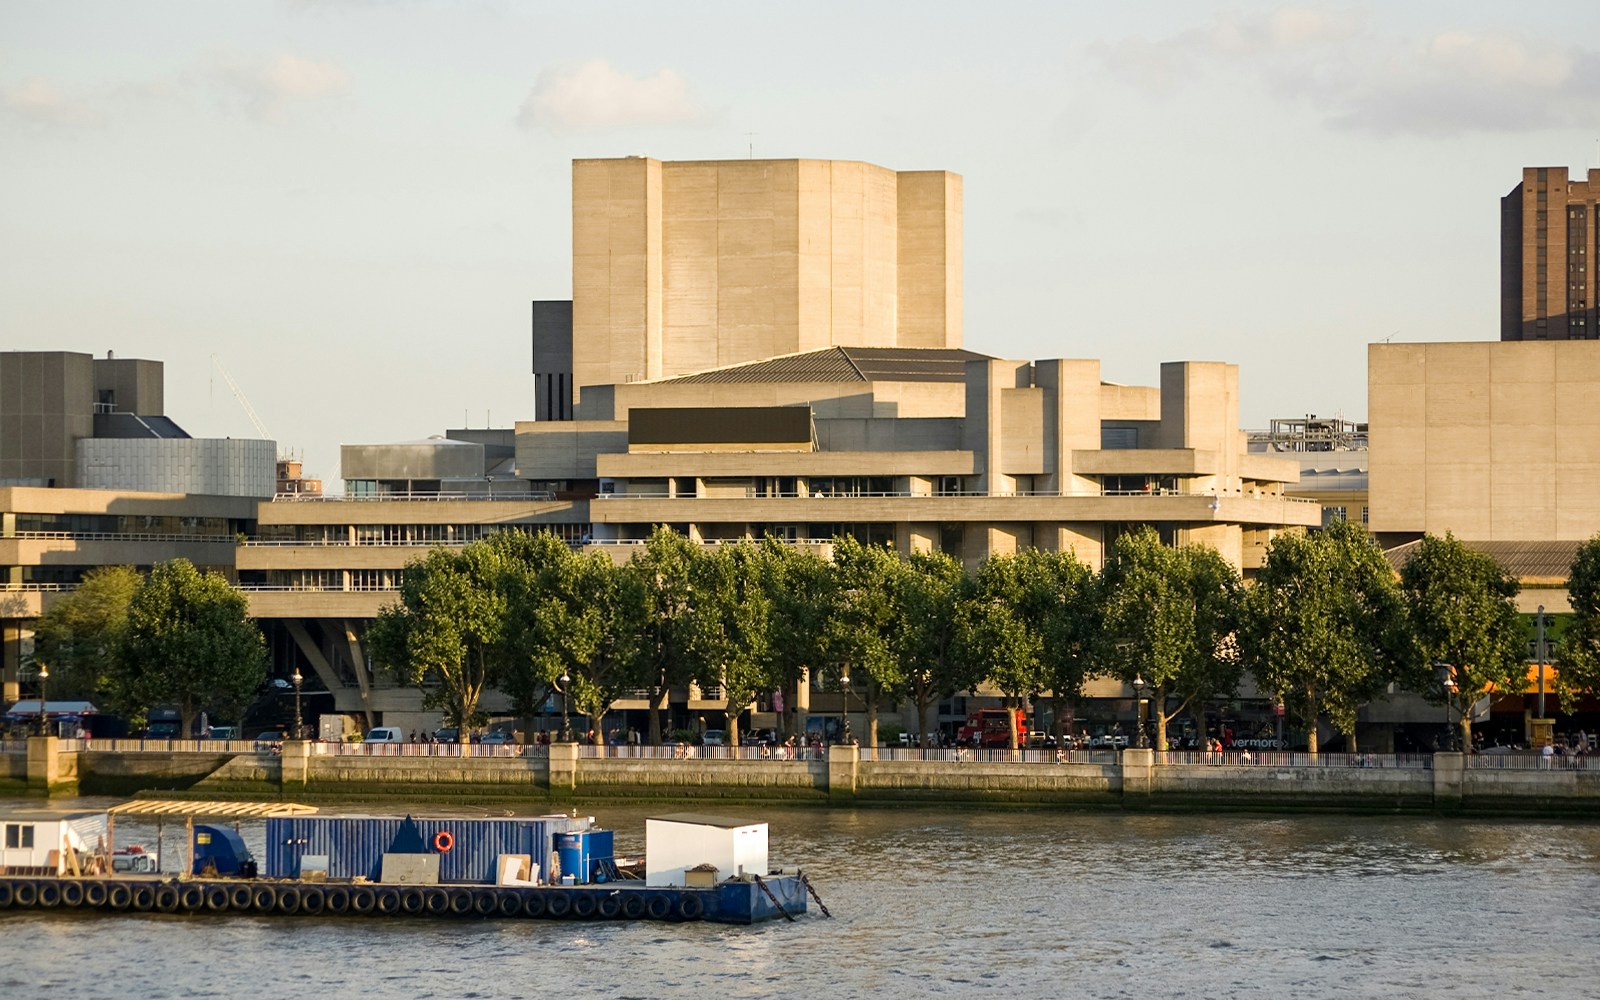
(534, 495)
(120, 536)
(752, 494)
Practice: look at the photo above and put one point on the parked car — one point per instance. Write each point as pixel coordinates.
(222, 733)
(448, 734)
(714, 738)
(268, 738)
(385, 734)
(496, 736)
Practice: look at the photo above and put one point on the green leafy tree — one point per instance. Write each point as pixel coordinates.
(663, 569)
(996, 636)
(799, 584)
(728, 627)
(1171, 619)
(520, 674)
(587, 615)
(931, 590)
(1579, 651)
(79, 636)
(1060, 600)
(865, 621)
(1325, 626)
(1464, 616)
(444, 633)
(189, 641)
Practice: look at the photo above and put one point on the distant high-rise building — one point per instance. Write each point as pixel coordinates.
(1548, 245)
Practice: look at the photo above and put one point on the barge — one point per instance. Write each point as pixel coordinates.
(696, 867)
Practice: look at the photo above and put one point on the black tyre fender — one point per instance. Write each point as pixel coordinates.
(144, 897)
(72, 894)
(609, 908)
(558, 905)
(658, 907)
(5, 895)
(312, 900)
(412, 901)
(583, 905)
(388, 902)
(690, 907)
(48, 895)
(264, 899)
(533, 904)
(289, 900)
(95, 894)
(191, 898)
(167, 899)
(119, 897)
(485, 902)
(338, 900)
(363, 901)
(509, 904)
(216, 899)
(633, 906)
(239, 898)
(460, 901)
(437, 902)
(25, 895)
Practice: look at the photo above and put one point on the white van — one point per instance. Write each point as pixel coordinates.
(385, 734)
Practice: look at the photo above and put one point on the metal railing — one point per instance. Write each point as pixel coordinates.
(424, 750)
(1530, 760)
(138, 745)
(1282, 758)
(286, 588)
(37, 588)
(121, 536)
(976, 494)
(535, 495)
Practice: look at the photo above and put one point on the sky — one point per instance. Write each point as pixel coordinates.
(347, 205)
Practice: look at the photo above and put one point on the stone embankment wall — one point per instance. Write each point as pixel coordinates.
(1132, 781)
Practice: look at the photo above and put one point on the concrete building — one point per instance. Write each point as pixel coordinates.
(1332, 453)
(93, 473)
(1549, 245)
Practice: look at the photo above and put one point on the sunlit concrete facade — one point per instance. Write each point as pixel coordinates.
(683, 266)
(1496, 441)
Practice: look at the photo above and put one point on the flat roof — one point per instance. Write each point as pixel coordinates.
(707, 819)
(180, 807)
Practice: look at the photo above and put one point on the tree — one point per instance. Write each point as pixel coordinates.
(190, 642)
(1325, 626)
(586, 613)
(663, 569)
(799, 585)
(1464, 616)
(446, 628)
(864, 621)
(1171, 619)
(1579, 651)
(78, 638)
(728, 627)
(931, 590)
(521, 675)
(995, 635)
(1060, 600)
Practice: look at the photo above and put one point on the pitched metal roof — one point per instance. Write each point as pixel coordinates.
(848, 364)
(1545, 562)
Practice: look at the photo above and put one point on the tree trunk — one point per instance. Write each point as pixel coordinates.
(731, 713)
(1011, 719)
(658, 694)
(872, 720)
(1350, 738)
(1158, 709)
(1466, 729)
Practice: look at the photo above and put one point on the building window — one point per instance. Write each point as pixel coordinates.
(1333, 515)
(1364, 515)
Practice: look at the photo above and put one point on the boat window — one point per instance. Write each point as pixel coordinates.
(19, 836)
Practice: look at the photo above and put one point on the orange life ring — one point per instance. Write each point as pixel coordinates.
(443, 841)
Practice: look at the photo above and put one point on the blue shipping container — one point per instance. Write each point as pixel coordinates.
(581, 854)
(355, 845)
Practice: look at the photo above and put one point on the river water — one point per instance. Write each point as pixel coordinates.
(968, 903)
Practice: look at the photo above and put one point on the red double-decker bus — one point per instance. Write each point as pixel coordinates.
(991, 727)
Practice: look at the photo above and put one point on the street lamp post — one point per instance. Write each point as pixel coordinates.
(566, 720)
(44, 680)
(844, 706)
(299, 729)
(1448, 683)
(1139, 710)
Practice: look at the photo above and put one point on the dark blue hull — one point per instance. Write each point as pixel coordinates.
(729, 903)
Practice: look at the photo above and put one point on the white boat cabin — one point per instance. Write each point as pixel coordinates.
(676, 843)
(38, 842)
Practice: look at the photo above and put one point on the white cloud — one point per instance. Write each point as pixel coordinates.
(267, 90)
(1453, 82)
(594, 95)
(39, 102)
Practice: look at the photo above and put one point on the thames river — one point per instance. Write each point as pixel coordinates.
(1019, 904)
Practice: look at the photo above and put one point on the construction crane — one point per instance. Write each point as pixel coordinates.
(238, 394)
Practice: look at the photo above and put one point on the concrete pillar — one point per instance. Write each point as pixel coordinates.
(1449, 775)
(563, 767)
(295, 765)
(52, 771)
(1137, 768)
(842, 765)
